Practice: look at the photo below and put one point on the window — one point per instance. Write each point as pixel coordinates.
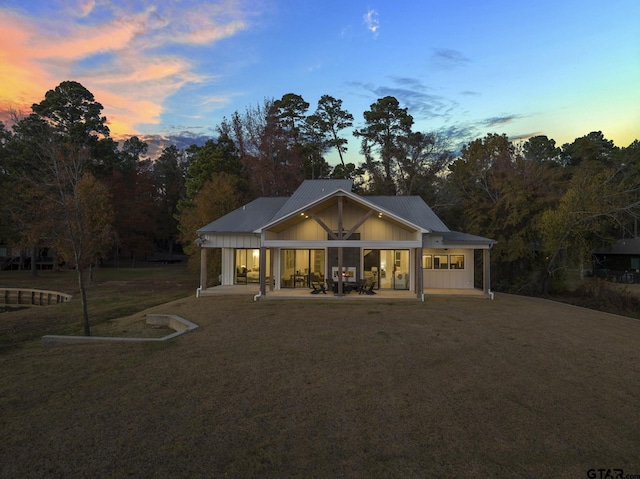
(247, 266)
(443, 261)
(457, 261)
(440, 261)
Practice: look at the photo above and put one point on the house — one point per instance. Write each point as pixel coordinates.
(620, 261)
(325, 233)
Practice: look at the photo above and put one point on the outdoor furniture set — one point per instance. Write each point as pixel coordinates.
(361, 286)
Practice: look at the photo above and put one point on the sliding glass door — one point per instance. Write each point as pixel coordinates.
(388, 268)
(299, 267)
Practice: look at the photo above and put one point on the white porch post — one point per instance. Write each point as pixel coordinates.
(263, 270)
(419, 273)
(203, 268)
(340, 236)
(271, 271)
(486, 271)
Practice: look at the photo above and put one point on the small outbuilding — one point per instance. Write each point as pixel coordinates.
(619, 262)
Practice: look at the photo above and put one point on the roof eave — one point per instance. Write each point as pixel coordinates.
(353, 196)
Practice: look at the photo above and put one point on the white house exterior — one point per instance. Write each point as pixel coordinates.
(389, 242)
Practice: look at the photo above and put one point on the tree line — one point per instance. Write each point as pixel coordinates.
(65, 184)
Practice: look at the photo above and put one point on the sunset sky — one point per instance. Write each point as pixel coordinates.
(561, 68)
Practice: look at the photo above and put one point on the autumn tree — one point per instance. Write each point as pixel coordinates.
(25, 165)
(501, 195)
(218, 196)
(131, 183)
(269, 141)
(248, 130)
(284, 142)
(419, 171)
(169, 171)
(73, 208)
(213, 157)
(602, 196)
(5, 183)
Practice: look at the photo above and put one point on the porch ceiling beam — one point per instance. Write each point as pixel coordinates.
(332, 235)
(358, 224)
(340, 218)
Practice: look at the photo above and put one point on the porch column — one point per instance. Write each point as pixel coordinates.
(203, 268)
(270, 278)
(263, 270)
(486, 270)
(340, 236)
(419, 273)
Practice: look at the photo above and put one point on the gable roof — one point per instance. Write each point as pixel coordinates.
(269, 209)
(311, 191)
(266, 211)
(411, 208)
(248, 218)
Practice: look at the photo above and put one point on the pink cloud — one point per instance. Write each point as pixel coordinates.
(23, 79)
(87, 7)
(133, 81)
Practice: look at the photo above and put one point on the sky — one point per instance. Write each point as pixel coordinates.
(173, 70)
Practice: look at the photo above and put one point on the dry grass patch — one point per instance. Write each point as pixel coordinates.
(115, 293)
(515, 387)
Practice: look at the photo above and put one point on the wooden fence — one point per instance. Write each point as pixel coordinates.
(32, 297)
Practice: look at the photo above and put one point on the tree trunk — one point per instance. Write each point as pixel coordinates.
(83, 297)
(34, 263)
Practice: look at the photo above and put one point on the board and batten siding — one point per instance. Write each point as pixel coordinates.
(232, 241)
(228, 258)
(449, 278)
(373, 229)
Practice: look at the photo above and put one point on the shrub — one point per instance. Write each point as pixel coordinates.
(604, 296)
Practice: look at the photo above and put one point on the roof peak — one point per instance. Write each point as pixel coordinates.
(310, 191)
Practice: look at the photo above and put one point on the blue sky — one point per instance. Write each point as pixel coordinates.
(462, 68)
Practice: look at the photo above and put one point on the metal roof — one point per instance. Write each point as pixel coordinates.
(456, 237)
(623, 246)
(311, 191)
(410, 208)
(250, 217)
(265, 211)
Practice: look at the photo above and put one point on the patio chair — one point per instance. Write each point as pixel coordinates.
(331, 284)
(369, 288)
(319, 288)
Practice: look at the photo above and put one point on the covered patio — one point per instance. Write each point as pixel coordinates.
(301, 293)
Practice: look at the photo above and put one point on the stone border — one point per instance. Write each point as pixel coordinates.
(32, 297)
(177, 323)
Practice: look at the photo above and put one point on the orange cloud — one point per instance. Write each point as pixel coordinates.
(23, 79)
(117, 60)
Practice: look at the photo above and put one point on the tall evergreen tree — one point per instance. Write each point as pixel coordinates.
(387, 127)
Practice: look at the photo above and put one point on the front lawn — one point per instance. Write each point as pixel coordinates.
(516, 387)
